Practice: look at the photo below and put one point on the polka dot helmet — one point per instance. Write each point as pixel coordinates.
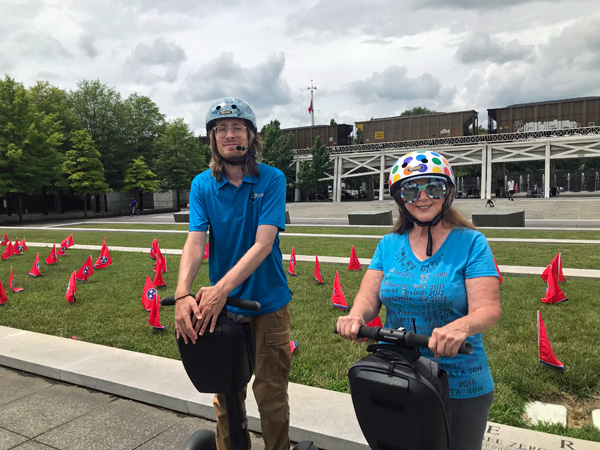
(230, 108)
(420, 164)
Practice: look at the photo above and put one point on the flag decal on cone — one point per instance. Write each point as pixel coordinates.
(292, 266)
(337, 296)
(547, 355)
(86, 271)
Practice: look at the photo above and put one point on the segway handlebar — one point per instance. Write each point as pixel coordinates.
(249, 305)
(403, 338)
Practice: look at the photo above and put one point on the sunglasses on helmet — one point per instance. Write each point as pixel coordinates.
(410, 191)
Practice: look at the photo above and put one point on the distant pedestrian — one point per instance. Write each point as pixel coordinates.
(133, 205)
(510, 186)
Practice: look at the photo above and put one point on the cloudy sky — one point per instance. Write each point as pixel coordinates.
(367, 59)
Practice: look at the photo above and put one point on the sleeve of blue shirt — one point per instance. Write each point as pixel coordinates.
(480, 262)
(198, 213)
(272, 211)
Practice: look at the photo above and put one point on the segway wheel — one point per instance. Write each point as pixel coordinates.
(201, 440)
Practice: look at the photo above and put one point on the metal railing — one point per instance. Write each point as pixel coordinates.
(462, 140)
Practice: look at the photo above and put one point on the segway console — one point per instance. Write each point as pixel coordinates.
(400, 398)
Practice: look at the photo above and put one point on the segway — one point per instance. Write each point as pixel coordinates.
(401, 399)
(223, 362)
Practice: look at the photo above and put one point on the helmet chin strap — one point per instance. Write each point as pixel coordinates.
(240, 162)
(431, 223)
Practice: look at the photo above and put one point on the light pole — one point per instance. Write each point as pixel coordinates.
(311, 108)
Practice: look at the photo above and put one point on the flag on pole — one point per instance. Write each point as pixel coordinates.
(558, 269)
(152, 248)
(67, 242)
(15, 248)
(205, 252)
(158, 279)
(4, 240)
(547, 355)
(292, 266)
(159, 256)
(148, 294)
(71, 288)
(337, 296)
(310, 108)
(7, 251)
(35, 269)
(86, 271)
(354, 263)
(498, 269)
(318, 270)
(553, 292)
(11, 283)
(104, 260)
(154, 317)
(3, 297)
(52, 258)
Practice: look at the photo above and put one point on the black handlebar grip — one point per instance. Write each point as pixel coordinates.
(415, 340)
(249, 305)
(167, 301)
(369, 332)
(466, 348)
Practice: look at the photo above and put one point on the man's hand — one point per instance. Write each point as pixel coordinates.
(186, 312)
(212, 301)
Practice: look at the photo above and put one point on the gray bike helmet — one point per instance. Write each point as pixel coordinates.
(230, 108)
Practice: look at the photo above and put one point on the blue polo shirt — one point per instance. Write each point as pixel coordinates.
(233, 214)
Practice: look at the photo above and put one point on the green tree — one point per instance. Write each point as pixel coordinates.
(144, 122)
(29, 142)
(50, 99)
(140, 178)
(178, 157)
(277, 149)
(332, 123)
(100, 110)
(417, 110)
(83, 168)
(312, 172)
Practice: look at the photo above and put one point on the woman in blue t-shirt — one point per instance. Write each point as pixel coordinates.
(436, 276)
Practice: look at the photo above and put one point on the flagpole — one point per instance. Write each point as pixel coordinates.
(312, 105)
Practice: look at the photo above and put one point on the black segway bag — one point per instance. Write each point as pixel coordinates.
(222, 361)
(401, 402)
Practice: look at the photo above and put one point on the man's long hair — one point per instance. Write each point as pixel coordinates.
(251, 165)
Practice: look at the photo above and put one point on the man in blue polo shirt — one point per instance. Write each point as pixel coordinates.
(242, 201)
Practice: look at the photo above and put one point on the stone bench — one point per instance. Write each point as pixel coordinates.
(182, 217)
(370, 218)
(496, 218)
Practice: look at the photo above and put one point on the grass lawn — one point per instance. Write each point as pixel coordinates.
(109, 312)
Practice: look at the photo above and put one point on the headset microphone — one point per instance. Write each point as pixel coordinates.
(240, 148)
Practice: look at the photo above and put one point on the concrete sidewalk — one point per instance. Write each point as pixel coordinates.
(118, 399)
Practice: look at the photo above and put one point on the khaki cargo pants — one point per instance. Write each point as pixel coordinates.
(272, 365)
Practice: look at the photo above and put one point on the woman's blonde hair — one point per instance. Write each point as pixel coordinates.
(251, 165)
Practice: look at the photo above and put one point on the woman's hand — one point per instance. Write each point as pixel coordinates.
(348, 326)
(446, 341)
